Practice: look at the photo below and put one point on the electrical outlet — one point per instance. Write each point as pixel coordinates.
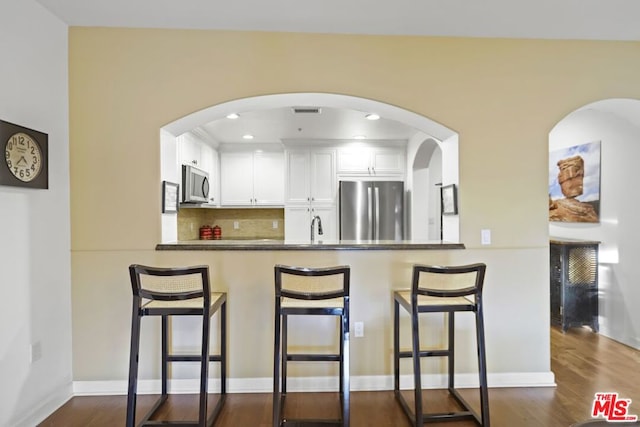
(236, 225)
(274, 225)
(359, 329)
(485, 237)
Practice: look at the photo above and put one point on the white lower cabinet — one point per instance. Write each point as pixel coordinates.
(297, 223)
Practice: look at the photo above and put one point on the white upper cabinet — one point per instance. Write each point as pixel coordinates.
(371, 161)
(268, 178)
(236, 178)
(310, 176)
(250, 178)
(190, 151)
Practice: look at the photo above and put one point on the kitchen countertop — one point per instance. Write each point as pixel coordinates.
(283, 245)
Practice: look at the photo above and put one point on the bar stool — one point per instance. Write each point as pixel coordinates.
(447, 290)
(310, 291)
(176, 292)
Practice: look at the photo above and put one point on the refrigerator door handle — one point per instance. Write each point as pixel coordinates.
(370, 212)
(377, 218)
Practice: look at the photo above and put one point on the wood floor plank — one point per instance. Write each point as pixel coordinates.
(584, 363)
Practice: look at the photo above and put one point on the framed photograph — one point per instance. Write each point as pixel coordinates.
(170, 192)
(449, 198)
(574, 183)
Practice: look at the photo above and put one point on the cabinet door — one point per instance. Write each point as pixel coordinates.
(354, 160)
(297, 179)
(323, 176)
(329, 217)
(189, 150)
(268, 178)
(297, 223)
(386, 161)
(236, 178)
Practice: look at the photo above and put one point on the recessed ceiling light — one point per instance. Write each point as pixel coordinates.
(372, 116)
(247, 136)
(359, 137)
(233, 116)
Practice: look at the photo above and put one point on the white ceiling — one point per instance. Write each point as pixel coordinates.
(281, 124)
(561, 19)
(548, 19)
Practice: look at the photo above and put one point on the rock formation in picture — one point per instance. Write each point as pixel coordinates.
(570, 209)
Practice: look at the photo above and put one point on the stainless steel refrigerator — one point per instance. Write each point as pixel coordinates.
(371, 210)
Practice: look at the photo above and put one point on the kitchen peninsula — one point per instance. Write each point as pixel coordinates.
(284, 245)
(244, 269)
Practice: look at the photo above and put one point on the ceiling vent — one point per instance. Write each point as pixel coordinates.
(306, 110)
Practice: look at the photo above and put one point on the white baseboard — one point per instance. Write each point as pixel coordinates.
(357, 383)
(47, 407)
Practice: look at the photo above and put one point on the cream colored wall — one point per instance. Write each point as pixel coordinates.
(501, 96)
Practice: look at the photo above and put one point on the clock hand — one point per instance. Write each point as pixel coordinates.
(22, 159)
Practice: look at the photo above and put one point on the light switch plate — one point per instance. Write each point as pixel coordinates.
(485, 237)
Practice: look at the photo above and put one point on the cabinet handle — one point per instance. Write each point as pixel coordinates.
(307, 199)
(313, 199)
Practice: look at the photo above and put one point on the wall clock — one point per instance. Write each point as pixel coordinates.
(26, 157)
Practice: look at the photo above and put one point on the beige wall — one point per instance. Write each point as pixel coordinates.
(501, 96)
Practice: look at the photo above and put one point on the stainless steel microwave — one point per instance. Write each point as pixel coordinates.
(195, 185)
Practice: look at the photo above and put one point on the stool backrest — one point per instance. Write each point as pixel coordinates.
(312, 283)
(449, 281)
(170, 284)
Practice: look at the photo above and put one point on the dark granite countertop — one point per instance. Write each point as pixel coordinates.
(284, 245)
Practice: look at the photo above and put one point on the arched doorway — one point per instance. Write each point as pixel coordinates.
(615, 123)
(426, 220)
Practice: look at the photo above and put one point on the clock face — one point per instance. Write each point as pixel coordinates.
(26, 153)
(23, 157)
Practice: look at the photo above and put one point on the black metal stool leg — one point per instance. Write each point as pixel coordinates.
(164, 350)
(276, 368)
(344, 364)
(285, 353)
(482, 368)
(396, 347)
(223, 348)
(452, 348)
(134, 353)
(204, 367)
(417, 380)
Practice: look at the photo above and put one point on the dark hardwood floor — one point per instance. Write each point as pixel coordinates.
(584, 363)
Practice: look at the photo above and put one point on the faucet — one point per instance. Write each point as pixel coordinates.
(319, 226)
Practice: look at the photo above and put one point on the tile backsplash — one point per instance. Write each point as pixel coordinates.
(253, 223)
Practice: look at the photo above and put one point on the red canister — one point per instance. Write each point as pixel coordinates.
(217, 232)
(206, 232)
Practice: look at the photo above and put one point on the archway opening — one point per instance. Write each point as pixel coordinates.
(427, 131)
(615, 125)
